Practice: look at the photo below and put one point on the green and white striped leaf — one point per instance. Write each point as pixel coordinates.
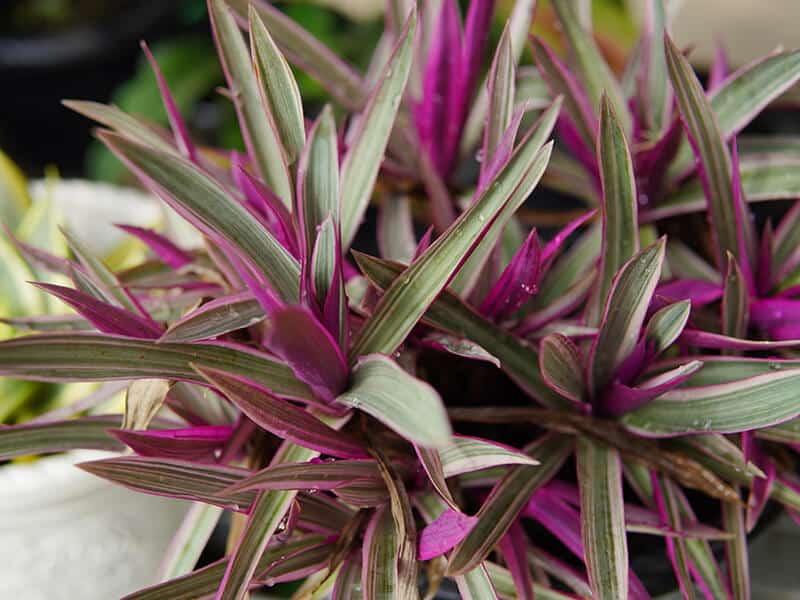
(318, 173)
(278, 87)
(407, 299)
(603, 519)
(620, 224)
(93, 357)
(680, 556)
(702, 126)
(594, 70)
(740, 405)
(501, 96)
(363, 159)
(562, 367)
(382, 389)
(265, 515)
(261, 138)
(216, 211)
(227, 314)
(123, 123)
(736, 550)
(666, 325)
(744, 96)
(90, 433)
(762, 180)
(735, 300)
(380, 557)
(624, 314)
(468, 454)
(307, 52)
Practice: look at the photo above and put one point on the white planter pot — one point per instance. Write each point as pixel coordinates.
(65, 534)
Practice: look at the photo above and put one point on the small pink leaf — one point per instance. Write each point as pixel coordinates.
(444, 533)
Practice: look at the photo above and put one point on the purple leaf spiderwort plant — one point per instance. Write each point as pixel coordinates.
(445, 404)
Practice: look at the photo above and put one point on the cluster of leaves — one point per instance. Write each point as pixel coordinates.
(281, 375)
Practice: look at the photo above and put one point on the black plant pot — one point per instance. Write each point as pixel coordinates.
(86, 60)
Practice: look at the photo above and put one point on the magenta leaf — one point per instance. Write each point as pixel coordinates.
(620, 398)
(444, 533)
(295, 335)
(518, 281)
(161, 246)
(107, 318)
(700, 292)
(191, 443)
(179, 129)
(514, 547)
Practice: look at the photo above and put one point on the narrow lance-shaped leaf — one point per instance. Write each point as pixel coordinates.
(470, 271)
(221, 315)
(654, 91)
(81, 357)
(603, 519)
(360, 165)
(261, 138)
(303, 49)
(514, 547)
(501, 97)
(519, 28)
(664, 497)
(505, 502)
(736, 550)
(745, 94)
(735, 300)
(123, 123)
(284, 419)
(318, 178)
(620, 225)
(408, 298)
(266, 514)
(179, 129)
(518, 281)
(715, 162)
(665, 326)
(595, 72)
(742, 405)
(563, 83)
(396, 238)
(107, 318)
(408, 405)
(213, 210)
(109, 287)
(278, 87)
(379, 577)
(561, 365)
(315, 476)
(468, 454)
(624, 314)
(89, 433)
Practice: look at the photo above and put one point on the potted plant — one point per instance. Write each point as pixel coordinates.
(501, 414)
